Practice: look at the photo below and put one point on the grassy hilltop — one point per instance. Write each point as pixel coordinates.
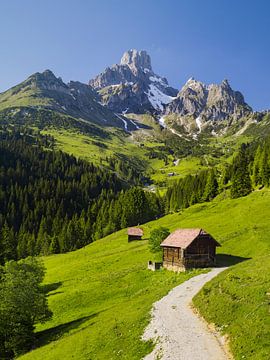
(101, 295)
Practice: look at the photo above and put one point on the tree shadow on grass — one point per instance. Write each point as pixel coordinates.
(50, 287)
(229, 260)
(47, 336)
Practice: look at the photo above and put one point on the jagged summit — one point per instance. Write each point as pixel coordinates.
(190, 80)
(132, 86)
(136, 59)
(46, 80)
(205, 103)
(225, 82)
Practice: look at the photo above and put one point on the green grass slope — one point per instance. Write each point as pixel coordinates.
(44, 90)
(101, 295)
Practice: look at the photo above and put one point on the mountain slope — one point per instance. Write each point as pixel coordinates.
(107, 283)
(46, 91)
(132, 86)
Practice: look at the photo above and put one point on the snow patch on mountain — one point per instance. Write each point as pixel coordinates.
(157, 80)
(124, 121)
(162, 122)
(133, 122)
(199, 123)
(157, 98)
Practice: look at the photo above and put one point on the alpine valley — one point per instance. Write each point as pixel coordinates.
(81, 162)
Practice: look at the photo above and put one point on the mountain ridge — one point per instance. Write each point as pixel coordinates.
(45, 90)
(133, 87)
(214, 101)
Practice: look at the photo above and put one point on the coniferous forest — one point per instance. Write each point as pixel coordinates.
(51, 202)
(249, 170)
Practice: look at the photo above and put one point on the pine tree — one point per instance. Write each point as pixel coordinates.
(241, 182)
(54, 245)
(211, 188)
(8, 241)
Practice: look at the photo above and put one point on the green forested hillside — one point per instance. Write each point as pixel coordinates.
(51, 202)
(55, 201)
(101, 295)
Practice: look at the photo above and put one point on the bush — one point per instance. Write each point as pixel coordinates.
(156, 237)
(23, 303)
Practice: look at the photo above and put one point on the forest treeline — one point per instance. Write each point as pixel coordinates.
(250, 169)
(51, 202)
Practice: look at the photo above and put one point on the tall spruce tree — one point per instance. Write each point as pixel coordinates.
(241, 182)
(211, 187)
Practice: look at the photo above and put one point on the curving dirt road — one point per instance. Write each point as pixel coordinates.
(179, 333)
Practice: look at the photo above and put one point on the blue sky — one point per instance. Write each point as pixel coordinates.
(208, 39)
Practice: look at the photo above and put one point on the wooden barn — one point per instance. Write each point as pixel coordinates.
(135, 233)
(189, 248)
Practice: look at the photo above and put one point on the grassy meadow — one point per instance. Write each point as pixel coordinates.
(101, 295)
(89, 148)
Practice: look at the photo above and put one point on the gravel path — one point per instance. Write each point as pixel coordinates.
(179, 333)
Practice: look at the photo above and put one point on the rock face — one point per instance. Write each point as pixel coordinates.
(136, 60)
(132, 86)
(210, 103)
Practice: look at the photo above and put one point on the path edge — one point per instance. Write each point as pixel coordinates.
(223, 340)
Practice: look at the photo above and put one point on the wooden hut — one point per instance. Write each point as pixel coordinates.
(189, 248)
(134, 233)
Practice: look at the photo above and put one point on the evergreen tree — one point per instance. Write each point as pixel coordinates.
(211, 187)
(241, 182)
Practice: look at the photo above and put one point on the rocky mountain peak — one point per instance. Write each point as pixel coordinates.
(191, 81)
(209, 102)
(225, 84)
(136, 60)
(194, 85)
(132, 86)
(48, 74)
(45, 80)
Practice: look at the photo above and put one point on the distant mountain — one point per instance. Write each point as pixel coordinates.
(44, 90)
(132, 86)
(212, 102)
(198, 106)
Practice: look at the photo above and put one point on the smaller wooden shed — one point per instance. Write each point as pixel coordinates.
(134, 233)
(189, 248)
